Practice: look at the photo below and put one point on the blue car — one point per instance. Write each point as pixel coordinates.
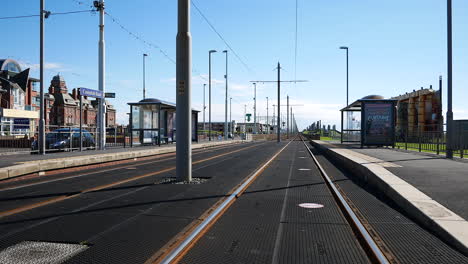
(60, 139)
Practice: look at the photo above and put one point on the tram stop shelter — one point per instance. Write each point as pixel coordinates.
(374, 123)
(153, 122)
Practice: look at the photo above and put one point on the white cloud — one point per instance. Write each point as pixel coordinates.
(47, 66)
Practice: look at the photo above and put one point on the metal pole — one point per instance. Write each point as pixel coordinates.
(347, 79)
(144, 78)
(268, 122)
(441, 121)
(204, 107)
(449, 153)
(279, 103)
(292, 127)
(287, 116)
(41, 136)
(209, 92)
(184, 109)
(102, 110)
(231, 130)
(226, 99)
(255, 108)
(245, 124)
(81, 120)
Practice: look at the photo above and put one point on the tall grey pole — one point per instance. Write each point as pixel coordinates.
(231, 130)
(255, 108)
(144, 77)
(287, 116)
(449, 153)
(441, 120)
(279, 103)
(268, 122)
(245, 124)
(101, 109)
(41, 136)
(204, 107)
(183, 103)
(209, 93)
(226, 99)
(273, 119)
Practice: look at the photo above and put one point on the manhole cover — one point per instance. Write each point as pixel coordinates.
(311, 205)
(28, 252)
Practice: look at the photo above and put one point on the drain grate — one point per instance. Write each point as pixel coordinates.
(174, 180)
(28, 252)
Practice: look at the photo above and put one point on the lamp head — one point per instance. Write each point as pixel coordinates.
(144, 54)
(225, 51)
(343, 47)
(212, 51)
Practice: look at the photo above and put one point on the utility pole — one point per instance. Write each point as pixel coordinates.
(441, 119)
(287, 117)
(41, 137)
(255, 108)
(102, 65)
(204, 107)
(245, 124)
(226, 99)
(209, 91)
(278, 81)
(273, 119)
(449, 153)
(231, 130)
(268, 122)
(184, 109)
(144, 77)
(279, 100)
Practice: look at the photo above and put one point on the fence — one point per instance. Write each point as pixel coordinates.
(432, 141)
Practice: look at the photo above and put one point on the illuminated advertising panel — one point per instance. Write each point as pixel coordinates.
(378, 122)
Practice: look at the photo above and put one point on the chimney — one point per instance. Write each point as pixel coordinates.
(74, 94)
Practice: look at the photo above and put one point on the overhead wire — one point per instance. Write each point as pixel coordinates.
(51, 14)
(220, 36)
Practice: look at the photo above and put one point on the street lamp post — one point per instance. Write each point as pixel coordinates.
(231, 129)
(209, 93)
(226, 99)
(449, 152)
(144, 77)
(255, 108)
(204, 107)
(347, 88)
(268, 122)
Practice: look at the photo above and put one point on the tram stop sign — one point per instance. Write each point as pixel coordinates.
(248, 117)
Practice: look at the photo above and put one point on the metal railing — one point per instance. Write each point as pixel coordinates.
(432, 141)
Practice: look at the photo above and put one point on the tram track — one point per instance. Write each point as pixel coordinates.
(44, 179)
(75, 194)
(180, 245)
(369, 240)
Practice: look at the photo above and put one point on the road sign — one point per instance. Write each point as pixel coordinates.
(91, 93)
(248, 117)
(109, 95)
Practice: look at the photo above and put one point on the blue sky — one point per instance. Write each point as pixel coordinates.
(395, 47)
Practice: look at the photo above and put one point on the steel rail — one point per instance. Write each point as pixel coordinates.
(125, 163)
(375, 250)
(176, 252)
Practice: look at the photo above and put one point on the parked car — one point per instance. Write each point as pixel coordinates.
(60, 139)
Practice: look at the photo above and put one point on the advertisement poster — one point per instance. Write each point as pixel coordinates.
(378, 123)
